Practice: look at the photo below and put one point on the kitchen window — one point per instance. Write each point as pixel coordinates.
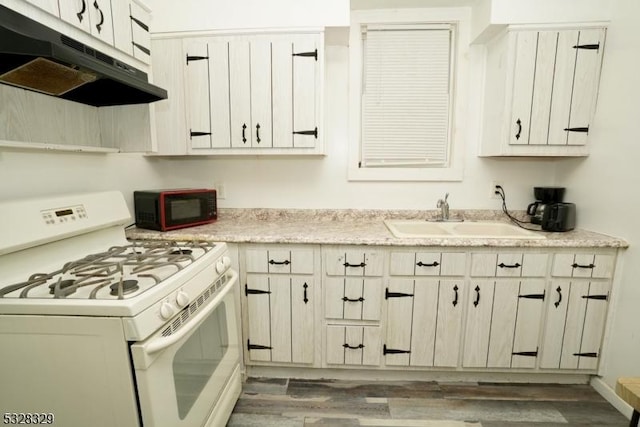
(406, 69)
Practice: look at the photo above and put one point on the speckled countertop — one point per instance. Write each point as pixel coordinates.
(356, 227)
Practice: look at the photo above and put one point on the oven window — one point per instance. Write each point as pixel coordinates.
(185, 208)
(196, 361)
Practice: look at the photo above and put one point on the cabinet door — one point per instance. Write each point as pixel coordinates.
(305, 90)
(302, 320)
(258, 296)
(76, 12)
(260, 66)
(449, 324)
(400, 299)
(530, 303)
(240, 94)
(101, 24)
(523, 78)
(424, 322)
(197, 90)
(503, 322)
(140, 37)
(478, 326)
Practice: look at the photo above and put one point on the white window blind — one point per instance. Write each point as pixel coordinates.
(406, 96)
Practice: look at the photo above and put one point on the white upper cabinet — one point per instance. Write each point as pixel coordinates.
(94, 17)
(131, 29)
(50, 6)
(541, 91)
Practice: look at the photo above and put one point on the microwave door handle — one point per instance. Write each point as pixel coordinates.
(158, 344)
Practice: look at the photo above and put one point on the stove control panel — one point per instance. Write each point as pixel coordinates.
(64, 215)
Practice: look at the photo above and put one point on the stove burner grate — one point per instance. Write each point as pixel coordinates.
(124, 287)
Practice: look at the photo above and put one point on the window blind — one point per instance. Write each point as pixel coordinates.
(405, 96)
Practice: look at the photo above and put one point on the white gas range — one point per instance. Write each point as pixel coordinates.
(98, 330)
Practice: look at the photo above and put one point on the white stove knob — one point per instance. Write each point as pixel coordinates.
(182, 299)
(166, 310)
(222, 264)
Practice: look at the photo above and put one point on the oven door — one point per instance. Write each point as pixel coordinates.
(181, 377)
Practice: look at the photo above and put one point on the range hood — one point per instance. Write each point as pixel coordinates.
(35, 57)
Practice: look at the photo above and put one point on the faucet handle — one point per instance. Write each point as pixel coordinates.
(446, 196)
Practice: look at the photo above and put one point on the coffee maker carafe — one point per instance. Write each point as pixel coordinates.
(545, 196)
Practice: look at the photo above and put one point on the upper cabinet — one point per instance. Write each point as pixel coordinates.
(92, 17)
(540, 92)
(240, 94)
(131, 29)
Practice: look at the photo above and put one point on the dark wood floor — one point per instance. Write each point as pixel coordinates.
(298, 403)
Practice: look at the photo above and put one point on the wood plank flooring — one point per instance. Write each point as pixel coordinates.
(308, 403)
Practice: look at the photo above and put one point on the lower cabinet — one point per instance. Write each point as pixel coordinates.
(424, 322)
(281, 323)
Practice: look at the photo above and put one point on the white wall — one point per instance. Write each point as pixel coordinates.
(604, 186)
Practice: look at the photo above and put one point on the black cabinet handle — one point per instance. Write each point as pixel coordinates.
(80, 14)
(433, 264)
(386, 351)
(477, 301)
(576, 265)
(353, 347)
(305, 299)
(388, 294)
(533, 296)
(519, 123)
(244, 128)
(258, 133)
(285, 262)
(455, 299)
(559, 291)
(362, 265)
(257, 346)
(307, 132)
(99, 24)
(596, 297)
(503, 265)
(248, 291)
(345, 299)
(578, 129)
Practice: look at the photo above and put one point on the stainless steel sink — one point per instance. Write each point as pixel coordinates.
(467, 229)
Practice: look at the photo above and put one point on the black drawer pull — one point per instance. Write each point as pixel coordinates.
(352, 347)
(559, 291)
(244, 137)
(386, 351)
(533, 296)
(598, 297)
(503, 265)
(388, 294)
(586, 354)
(477, 301)
(285, 262)
(361, 265)
(345, 299)
(257, 346)
(519, 123)
(421, 264)
(576, 265)
(455, 300)
(248, 291)
(258, 133)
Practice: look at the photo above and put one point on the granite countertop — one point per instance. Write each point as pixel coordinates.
(356, 227)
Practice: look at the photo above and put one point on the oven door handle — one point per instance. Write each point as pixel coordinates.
(158, 344)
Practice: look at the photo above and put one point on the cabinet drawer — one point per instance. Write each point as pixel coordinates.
(599, 266)
(352, 298)
(508, 265)
(354, 262)
(353, 345)
(427, 264)
(285, 261)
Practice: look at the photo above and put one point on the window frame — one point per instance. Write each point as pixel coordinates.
(459, 18)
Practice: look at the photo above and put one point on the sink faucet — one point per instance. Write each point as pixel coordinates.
(444, 208)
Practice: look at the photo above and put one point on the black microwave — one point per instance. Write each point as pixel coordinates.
(170, 209)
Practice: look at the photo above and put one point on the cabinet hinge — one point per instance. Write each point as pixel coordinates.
(595, 46)
(388, 294)
(257, 346)
(578, 129)
(313, 132)
(142, 48)
(526, 353)
(140, 23)
(195, 58)
(194, 133)
(598, 297)
(533, 296)
(248, 291)
(386, 351)
(586, 354)
(313, 54)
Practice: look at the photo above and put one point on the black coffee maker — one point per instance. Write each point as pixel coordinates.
(550, 212)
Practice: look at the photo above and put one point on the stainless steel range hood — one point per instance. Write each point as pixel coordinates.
(37, 58)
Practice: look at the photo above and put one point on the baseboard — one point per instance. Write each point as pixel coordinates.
(610, 396)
